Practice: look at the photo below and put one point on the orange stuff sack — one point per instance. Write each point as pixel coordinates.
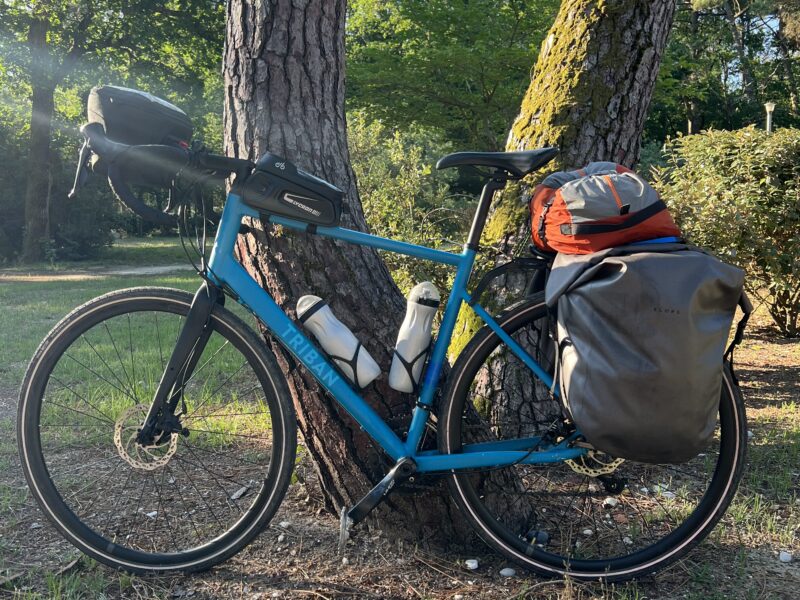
(600, 206)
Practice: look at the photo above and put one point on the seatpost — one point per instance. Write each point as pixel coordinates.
(497, 182)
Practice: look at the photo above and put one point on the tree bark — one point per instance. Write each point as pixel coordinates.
(593, 81)
(749, 83)
(589, 95)
(284, 92)
(37, 219)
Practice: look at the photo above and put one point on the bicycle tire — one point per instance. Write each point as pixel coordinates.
(561, 549)
(63, 436)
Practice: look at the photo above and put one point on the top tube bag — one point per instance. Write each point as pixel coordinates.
(278, 187)
(641, 335)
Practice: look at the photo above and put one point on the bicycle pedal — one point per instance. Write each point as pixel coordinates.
(345, 525)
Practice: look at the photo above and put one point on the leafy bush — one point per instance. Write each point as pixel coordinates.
(738, 194)
(404, 198)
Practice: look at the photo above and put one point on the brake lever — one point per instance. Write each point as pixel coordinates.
(82, 173)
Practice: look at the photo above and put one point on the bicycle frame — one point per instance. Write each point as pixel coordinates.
(227, 273)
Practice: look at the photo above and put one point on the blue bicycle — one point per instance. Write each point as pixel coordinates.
(157, 432)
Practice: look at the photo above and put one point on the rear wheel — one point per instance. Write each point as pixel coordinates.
(597, 518)
(187, 501)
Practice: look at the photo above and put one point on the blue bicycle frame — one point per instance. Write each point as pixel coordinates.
(226, 272)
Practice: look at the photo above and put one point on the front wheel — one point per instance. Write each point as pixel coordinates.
(193, 497)
(597, 519)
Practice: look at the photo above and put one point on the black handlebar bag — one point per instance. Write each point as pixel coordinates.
(641, 332)
(137, 118)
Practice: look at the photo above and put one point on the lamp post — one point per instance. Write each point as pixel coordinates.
(770, 106)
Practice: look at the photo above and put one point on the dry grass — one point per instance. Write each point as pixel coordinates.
(739, 560)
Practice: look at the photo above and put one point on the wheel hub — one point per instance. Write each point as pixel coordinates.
(141, 457)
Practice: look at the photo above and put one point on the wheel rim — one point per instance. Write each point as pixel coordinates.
(557, 520)
(216, 480)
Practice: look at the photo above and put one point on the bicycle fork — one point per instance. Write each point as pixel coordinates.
(189, 348)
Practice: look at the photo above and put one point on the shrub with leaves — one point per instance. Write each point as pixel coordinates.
(737, 193)
(405, 198)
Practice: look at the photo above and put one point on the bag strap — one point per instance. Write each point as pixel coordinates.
(747, 310)
(542, 225)
(595, 228)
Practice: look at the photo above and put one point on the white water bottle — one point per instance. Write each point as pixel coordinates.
(414, 337)
(337, 340)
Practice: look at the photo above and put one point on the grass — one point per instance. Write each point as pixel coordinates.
(30, 310)
(739, 560)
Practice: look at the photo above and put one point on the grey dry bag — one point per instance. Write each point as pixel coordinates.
(641, 335)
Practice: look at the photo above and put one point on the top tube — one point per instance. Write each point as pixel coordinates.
(373, 241)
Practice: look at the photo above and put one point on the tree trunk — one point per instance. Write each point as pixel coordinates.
(589, 95)
(593, 80)
(37, 218)
(783, 42)
(749, 84)
(694, 115)
(284, 92)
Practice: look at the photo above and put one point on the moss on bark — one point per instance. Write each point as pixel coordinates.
(589, 96)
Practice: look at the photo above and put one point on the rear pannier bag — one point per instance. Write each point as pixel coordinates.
(597, 207)
(277, 187)
(641, 333)
(138, 118)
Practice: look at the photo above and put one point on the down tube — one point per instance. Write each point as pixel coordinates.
(298, 344)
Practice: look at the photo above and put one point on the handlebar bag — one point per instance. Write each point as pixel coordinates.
(277, 187)
(137, 118)
(641, 336)
(597, 207)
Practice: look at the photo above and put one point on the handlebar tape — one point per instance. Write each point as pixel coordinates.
(152, 165)
(122, 191)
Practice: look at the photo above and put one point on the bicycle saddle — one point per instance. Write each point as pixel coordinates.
(517, 164)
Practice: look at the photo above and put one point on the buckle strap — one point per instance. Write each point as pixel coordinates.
(595, 228)
(747, 309)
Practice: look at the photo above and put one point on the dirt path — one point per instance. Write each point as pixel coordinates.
(98, 273)
(296, 557)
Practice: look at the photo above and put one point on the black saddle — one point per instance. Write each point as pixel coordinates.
(518, 164)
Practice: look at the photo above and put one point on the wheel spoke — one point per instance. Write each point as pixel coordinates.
(92, 468)
(552, 517)
(121, 362)
(106, 365)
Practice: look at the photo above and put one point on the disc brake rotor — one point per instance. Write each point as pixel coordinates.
(142, 458)
(595, 463)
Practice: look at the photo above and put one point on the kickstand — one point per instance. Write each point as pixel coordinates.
(345, 525)
(402, 470)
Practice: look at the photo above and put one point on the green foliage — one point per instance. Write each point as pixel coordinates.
(458, 66)
(170, 49)
(738, 193)
(404, 198)
(703, 69)
(651, 156)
